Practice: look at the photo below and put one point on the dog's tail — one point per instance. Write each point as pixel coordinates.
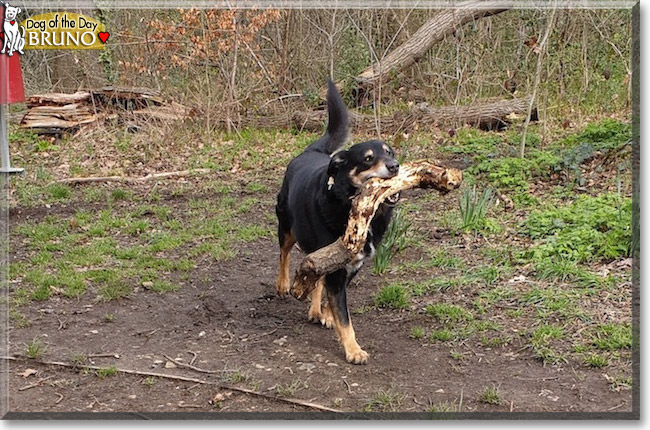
(337, 126)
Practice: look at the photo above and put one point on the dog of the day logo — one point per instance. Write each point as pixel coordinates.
(52, 30)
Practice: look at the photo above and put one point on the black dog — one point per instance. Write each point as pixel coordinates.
(313, 208)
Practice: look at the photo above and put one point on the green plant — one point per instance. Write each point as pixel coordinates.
(36, 349)
(392, 296)
(448, 313)
(394, 241)
(106, 372)
(596, 360)
(385, 401)
(289, 390)
(589, 229)
(611, 337)
(442, 335)
(417, 332)
(473, 208)
(490, 395)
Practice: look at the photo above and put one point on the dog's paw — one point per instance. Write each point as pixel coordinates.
(282, 290)
(314, 315)
(357, 356)
(327, 319)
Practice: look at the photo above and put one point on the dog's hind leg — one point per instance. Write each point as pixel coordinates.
(317, 313)
(335, 284)
(287, 240)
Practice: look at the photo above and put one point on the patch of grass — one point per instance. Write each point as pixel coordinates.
(612, 337)
(596, 360)
(35, 349)
(235, 376)
(448, 313)
(106, 372)
(443, 260)
(256, 187)
(442, 335)
(394, 241)
(162, 286)
(392, 296)
(490, 395)
(289, 390)
(18, 319)
(59, 192)
(114, 290)
(541, 340)
(494, 342)
(385, 401)
(445, 406)
(78, 359)
(417, 332)
(121, 194)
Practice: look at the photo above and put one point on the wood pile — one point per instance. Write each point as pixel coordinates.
(56, 113)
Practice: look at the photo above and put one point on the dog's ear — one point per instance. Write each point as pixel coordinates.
(339, 159)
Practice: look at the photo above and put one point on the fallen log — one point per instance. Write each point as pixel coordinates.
(486, 114)
(419, 174)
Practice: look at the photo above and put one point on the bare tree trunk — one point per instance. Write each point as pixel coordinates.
(433, 31)
(538, 73)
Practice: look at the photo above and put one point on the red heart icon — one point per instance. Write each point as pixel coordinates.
(103, 36)
(12, 22)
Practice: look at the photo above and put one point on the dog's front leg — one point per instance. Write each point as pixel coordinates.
(335, 284)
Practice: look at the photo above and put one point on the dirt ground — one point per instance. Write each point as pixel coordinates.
(228, 323)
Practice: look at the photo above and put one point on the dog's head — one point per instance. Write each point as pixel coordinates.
(371, 159)
(11, 12)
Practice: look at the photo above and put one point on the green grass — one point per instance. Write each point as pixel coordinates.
(442, 335)
(235, 376)
(106, 372)
(612, 337)
(490, 395)
(448, 313)
(35, 349)
(393, 296)
(417, 332)
(596, 360)
(385, 400)
(290, 390)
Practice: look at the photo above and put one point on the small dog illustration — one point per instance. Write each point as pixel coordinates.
(14, 41)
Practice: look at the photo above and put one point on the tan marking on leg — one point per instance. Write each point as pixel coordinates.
(315, 314)
(282, 284)
(327, 319)
(345, 333)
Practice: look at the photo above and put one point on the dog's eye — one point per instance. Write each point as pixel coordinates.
(368, 158)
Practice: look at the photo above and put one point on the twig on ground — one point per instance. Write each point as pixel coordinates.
(189, 366)
(35, 384)
(188, 379)
(151, 176)
(59, 399)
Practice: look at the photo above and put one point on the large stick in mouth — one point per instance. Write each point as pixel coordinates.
(418, 174)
